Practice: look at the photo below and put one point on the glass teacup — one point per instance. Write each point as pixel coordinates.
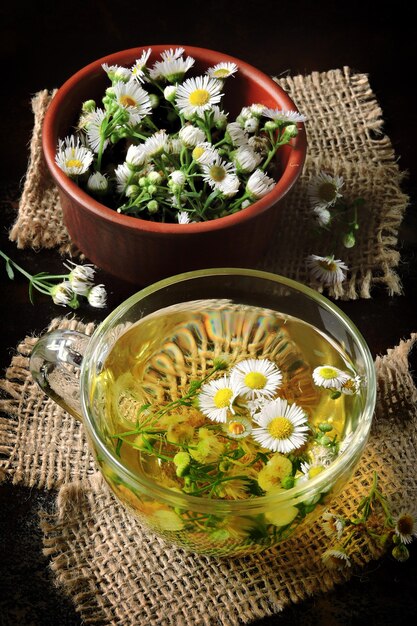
(224, 476)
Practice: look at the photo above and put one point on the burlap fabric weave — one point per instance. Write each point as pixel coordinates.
(117, 574)
(345, 137)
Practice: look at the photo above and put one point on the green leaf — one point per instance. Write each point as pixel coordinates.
(9, 270)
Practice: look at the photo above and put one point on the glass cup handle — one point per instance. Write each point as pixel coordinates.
(55, 364)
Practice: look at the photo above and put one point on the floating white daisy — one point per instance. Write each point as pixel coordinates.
(259, 184)
(93, 125)
(283, 426)
(238, 427)
(196, 95)
(216, 398)
(172, 69)
(132, 97)
(138, 69)
(324, 190)
(329, 377)
(327, 269)
(279, 115)
(73, 158)
(257, 378)
(222, 70)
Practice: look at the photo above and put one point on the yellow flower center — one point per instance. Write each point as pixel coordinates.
(255, 380)
(315, 471)
(327, 191)
(329, 266)
(221, 73)
(328, 373)
(405, 524)
(198, 152)
(280, 427)
(236, 428)
(74, 163)
(199, 97)
(222, 398)
(127, 101)
(217, 173)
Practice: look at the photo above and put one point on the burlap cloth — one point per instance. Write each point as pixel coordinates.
(345, 137)
(116, 574)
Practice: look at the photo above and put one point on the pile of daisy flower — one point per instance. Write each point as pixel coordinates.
(68, 289)
(160, 147)
(233, 436)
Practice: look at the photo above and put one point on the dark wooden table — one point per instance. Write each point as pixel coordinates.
(43, 43)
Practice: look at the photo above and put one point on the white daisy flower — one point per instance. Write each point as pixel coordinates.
(138, 69)
(329, 377)
(178, 177)
(73, 158)
(136, 156)
(257, 378)
(98, 183)
(132, 97)
(217, 173)
(170, 54)
(216, 398)
(327, 269)
(257, 109)
(170, 92)
(123, 175)
(230, 186)
(246, 159)
(336, 558)
(205, 153)
(324, 190)
(222, 70)
(172, 69)
(323, 216)
(352, 386)
(259, 184)
(117, 73)
(81, 277)
(406, 526)
(259, 144)
(238, 427)
(333, 525)
(191, 135)
(219, 116)
(174, 145)
(156, 144)
(183, 217)
(62, 294)
(196, 95)
(93, 125)
(278, 115)
(251, 125)
(236, 134)
(283, 426)
(97, 297)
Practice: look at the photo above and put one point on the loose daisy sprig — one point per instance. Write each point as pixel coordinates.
(330, 209)
(160, 147)
(65, 289)
(375, 519)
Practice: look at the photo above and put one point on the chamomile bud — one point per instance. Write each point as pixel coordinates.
(349, 240)
(63, 294)
(170, 92)
(152, 207)
(81, 278)
(98, 184)
(154, 100)
(97, 297)
(89, 106)
(154, 177)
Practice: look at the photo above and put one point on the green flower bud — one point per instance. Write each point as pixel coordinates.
(152, 189)
(270, 125)
(400, 553)
(182, 461)
(325, 427)
(154, 100)
(89, 106)
(287, 482)
(349, 240)
(153, 206)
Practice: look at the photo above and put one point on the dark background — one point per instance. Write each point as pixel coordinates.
(42, 44)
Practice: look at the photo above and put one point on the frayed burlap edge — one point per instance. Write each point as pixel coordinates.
(118, 575)
(31, 447)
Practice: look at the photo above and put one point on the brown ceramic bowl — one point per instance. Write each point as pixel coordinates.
(141, 251)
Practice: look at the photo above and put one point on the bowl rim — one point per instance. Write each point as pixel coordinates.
(345, 460)
(288, 178)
